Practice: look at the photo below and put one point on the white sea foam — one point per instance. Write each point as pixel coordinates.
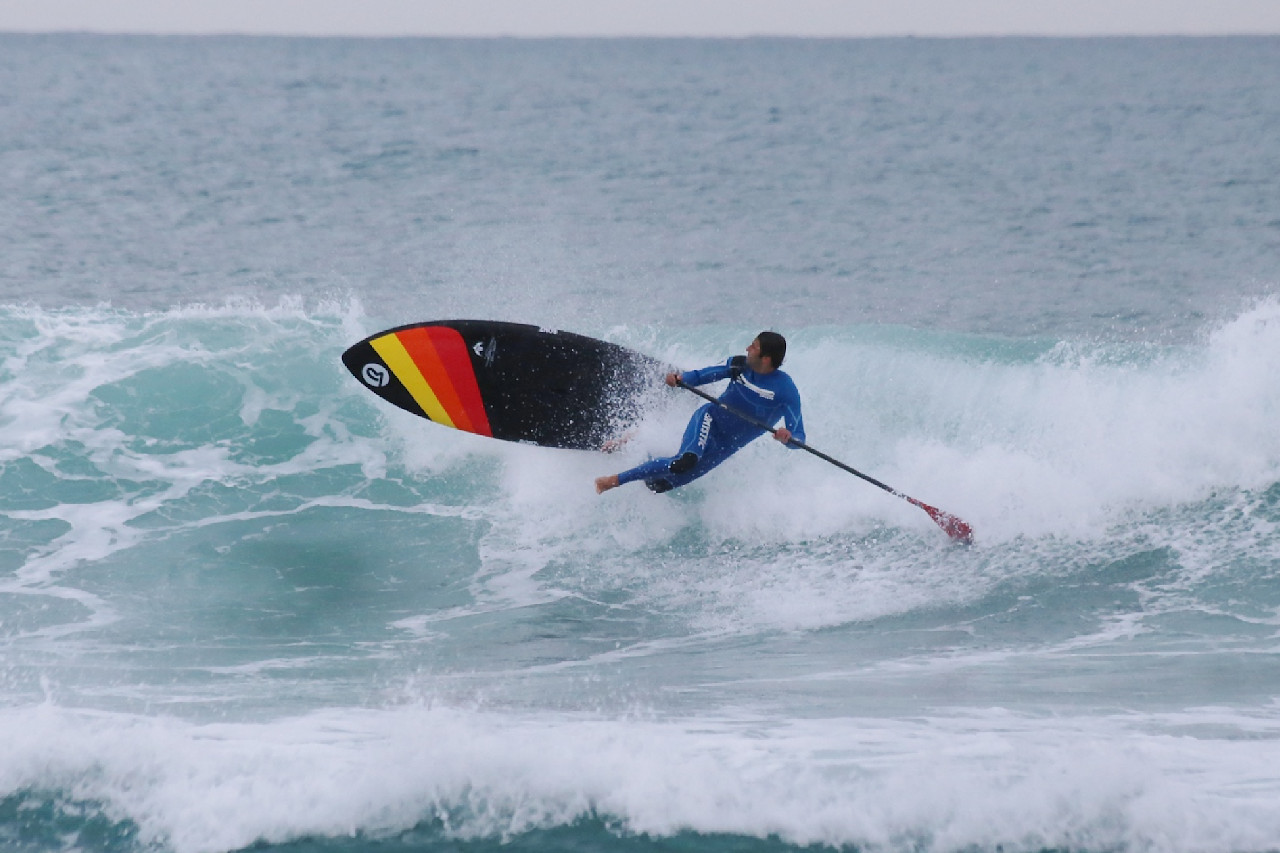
(976, 779)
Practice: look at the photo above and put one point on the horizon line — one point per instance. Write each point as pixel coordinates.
(569, 36)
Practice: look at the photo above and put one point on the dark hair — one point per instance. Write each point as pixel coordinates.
(774, 346)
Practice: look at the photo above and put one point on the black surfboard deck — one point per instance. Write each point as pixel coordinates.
(510, 381)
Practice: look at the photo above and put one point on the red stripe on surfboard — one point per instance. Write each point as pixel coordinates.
(418, 343)
(455, 357)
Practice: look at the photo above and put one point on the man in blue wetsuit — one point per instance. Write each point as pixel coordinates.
(756, 387)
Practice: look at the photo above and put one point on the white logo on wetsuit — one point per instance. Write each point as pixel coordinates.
(704, 431)
(763, 392)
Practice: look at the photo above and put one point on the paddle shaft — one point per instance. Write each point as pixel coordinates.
(953, 526)
(795, 442)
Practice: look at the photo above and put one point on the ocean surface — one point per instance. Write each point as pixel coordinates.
(245, 605)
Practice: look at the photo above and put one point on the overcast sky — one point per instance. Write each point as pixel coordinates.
(646, 17)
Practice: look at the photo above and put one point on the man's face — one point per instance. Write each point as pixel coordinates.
(754, 360)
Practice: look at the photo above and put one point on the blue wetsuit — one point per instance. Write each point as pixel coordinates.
(713, 435)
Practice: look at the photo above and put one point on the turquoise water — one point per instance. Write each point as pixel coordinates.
(246, 605)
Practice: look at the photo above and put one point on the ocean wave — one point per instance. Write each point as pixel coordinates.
(985, 781)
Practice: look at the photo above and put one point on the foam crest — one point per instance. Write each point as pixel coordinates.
(967, 781)
(1067, 442)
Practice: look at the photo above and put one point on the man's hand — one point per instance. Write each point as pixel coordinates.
(613, 445)
(673, 378)
(782, 434)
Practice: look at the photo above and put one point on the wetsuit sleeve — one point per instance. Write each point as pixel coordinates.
(707, 374)
(792, 416)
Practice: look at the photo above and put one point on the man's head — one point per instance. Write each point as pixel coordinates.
(767, 345)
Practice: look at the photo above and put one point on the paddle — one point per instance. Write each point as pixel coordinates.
(958, 530)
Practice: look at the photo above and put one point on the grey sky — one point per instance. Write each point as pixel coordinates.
(647, 17)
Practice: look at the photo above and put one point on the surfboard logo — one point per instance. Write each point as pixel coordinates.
(375, 375)
(486, 351)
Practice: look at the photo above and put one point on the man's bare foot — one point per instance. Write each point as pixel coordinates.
(604, 484)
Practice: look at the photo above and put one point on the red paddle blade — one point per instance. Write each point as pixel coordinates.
(954, 527)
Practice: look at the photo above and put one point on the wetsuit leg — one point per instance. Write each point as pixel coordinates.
(693, 445)
(716, 452)
(702, 449)
(698, 436)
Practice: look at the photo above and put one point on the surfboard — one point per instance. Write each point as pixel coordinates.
(509, 381)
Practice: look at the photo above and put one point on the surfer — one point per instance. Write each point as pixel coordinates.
(757, 387)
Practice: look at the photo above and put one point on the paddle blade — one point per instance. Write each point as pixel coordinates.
(956, 528)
